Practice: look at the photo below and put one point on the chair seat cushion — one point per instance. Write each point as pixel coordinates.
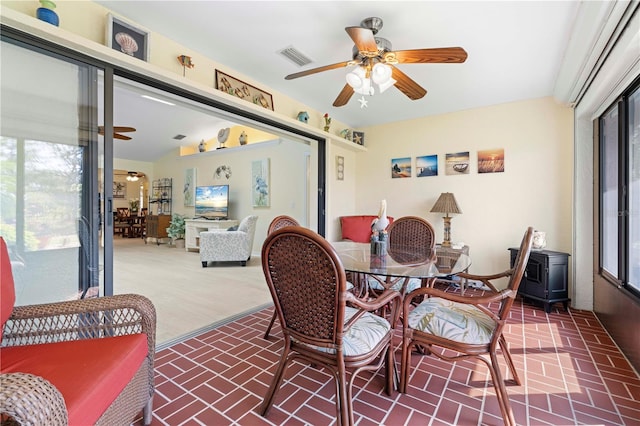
(454, 321)
(363, 336)
(89, 373)
(413, 284)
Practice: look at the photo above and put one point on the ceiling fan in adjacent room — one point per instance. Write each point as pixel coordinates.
(117, 130)
(374, 61)
(131, 176)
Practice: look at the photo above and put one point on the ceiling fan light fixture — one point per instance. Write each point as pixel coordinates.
(381, 73)
(356, 78)
(132, 176)
(384, 86)
(366, 88)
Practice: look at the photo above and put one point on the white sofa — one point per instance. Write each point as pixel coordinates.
(219, 245)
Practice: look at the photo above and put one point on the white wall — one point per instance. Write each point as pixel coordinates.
(287, 161)
(535, 189)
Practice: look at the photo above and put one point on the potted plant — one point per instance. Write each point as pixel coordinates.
(175, 231)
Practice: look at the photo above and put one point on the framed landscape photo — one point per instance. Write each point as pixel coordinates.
(427, 165)
(242, 90)
(401, 167)
(127, 38)
(457, 163)
(491, 161)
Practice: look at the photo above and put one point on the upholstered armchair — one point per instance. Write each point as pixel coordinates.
(228, 246)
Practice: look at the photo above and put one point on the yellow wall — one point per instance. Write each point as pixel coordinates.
(537, 136)
(534, 190)
(89, 21)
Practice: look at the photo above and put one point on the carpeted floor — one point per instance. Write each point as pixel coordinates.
(187, 296)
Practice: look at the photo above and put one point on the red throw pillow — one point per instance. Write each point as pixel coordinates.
(358, 228)
(7, 290)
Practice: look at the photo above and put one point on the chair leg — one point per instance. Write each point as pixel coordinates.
(501, 390)
(273, 319)
(275, 383)
(405, 365)
(147, 412)
(344, 407)
(390, 370)
(507, 356)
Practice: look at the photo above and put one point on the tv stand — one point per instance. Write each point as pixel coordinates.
(193, 228)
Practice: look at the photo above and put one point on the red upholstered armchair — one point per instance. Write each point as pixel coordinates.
(79, 362)
(358, 228)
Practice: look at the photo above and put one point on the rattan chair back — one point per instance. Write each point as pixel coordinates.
(411, 231)
(305, 277)
(281, 221)
(278, 222)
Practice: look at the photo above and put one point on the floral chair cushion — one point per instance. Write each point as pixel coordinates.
(363, 335)
(454, 321)
(413, 284)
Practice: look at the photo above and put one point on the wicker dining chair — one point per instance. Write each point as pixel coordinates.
(466, 326)
(407, 232)
(278, 222)
(322, 322)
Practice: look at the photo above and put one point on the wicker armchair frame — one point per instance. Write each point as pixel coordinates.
(308, 284)
(496, 304)
(278, 222)
(73, 320)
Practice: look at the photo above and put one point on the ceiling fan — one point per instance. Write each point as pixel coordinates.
(131, 176)
(376, 60)
(117, 130)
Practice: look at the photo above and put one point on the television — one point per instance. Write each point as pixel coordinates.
(212, 202)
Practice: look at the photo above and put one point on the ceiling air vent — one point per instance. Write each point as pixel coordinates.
(179, 137)
(295, 56)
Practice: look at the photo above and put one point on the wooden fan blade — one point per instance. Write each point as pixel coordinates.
(363, 39)
(450, 55)
(406, 85)
(118, 129)
(123, 129)
(344, 96)
(119, 136)
(317, 70)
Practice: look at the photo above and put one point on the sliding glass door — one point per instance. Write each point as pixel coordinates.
(49, 197)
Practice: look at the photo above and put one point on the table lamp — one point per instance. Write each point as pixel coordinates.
(446, 204)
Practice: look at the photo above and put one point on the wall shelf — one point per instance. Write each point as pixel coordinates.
(344, 143)
(221, 151)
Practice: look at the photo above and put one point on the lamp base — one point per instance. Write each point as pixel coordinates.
(447, 232)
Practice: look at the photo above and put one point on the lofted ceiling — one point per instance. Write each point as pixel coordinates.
(515, 48)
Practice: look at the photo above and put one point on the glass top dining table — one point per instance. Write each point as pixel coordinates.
(402, 261)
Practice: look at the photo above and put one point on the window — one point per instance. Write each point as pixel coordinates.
(620, 191)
